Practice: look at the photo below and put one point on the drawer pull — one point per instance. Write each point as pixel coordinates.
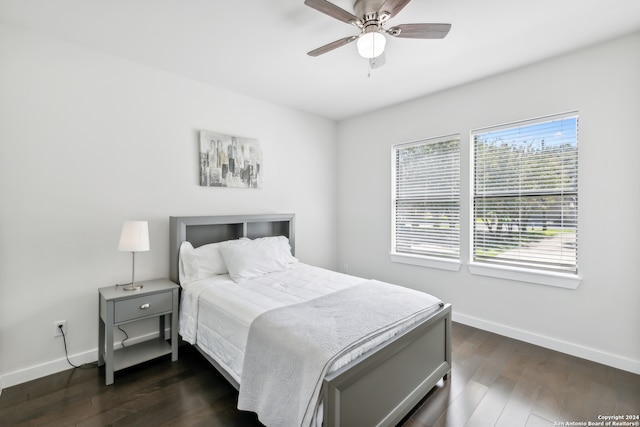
(144, 306)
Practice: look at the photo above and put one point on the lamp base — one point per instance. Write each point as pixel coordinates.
(132, 287)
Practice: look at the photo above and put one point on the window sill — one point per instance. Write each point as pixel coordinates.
(558, 280)
(423, 261)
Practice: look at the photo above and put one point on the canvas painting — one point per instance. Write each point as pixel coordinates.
(229, 161)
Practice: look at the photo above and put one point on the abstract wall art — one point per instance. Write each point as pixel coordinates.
(229, 161)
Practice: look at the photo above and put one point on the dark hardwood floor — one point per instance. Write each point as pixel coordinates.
(496, 381)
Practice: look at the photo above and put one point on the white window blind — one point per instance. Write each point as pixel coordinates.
(525, 194)
(426, 198)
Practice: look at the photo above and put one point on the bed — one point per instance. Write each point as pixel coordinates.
(377, 382)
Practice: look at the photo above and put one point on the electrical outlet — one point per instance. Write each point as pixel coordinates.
(56, 328)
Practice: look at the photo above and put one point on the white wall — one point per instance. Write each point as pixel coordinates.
(601, 319)
(89, 140)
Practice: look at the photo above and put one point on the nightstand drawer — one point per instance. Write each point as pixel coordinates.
(147, 305)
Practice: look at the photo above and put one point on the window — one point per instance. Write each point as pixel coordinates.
(426, 203)
(525, 195)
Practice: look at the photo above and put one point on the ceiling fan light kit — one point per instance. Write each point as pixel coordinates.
(371, 45)
(370, 17)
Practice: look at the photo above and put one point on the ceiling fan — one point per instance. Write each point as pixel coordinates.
(370, 17)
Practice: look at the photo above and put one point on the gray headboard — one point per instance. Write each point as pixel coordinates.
(200, 230)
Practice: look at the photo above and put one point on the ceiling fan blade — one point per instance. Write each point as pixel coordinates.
(330, 46)
(392, 7)
(332, 10)
(378, 61)
(420, 31)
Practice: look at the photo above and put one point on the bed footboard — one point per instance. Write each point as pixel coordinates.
(383, 387)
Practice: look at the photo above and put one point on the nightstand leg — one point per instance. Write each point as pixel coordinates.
(108, 369)
(161, 327)
(174, 336)
(174, 325)
(101, 328)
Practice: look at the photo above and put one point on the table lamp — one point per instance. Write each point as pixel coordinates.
(134, 238)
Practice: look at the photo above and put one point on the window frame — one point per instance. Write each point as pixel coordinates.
(567, 280)
(430, 261)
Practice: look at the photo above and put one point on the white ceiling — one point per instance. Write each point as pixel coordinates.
(258, 47)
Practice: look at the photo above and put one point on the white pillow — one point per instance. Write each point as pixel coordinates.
(279, 244)
(257, 257)
(204, 261)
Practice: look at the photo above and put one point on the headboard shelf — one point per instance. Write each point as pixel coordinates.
(201, 230)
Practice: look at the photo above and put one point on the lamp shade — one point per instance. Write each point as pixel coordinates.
(371, 45)
(134, 236)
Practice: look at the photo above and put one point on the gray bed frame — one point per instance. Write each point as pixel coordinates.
(377, 389)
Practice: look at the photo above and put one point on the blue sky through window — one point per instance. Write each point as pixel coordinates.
(552, 133)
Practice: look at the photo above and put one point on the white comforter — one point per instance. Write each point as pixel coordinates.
(216, 314)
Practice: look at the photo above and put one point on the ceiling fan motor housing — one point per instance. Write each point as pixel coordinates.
(363, 8)
(370, 27)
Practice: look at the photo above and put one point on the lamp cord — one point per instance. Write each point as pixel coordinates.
(126, 336)
(66, 353)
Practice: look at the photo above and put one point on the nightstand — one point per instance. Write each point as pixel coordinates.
(157, 298)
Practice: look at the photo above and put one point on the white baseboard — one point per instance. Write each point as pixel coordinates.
(47, 368)
(34, 372)
(598, 356)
